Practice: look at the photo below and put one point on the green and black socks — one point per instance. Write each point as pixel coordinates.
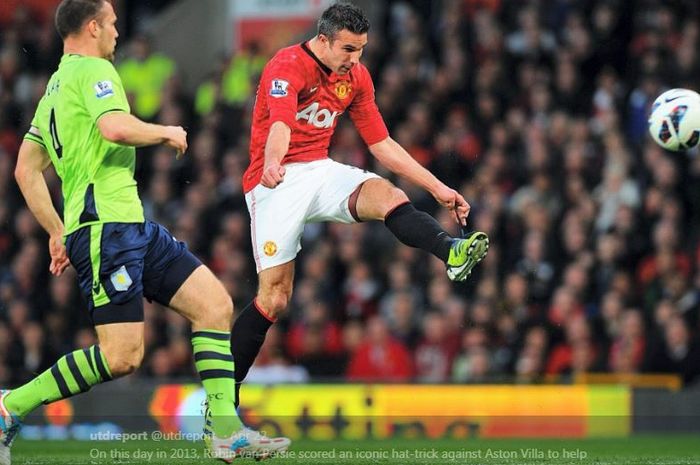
(78, 371)
(74, 373)
(214, 362)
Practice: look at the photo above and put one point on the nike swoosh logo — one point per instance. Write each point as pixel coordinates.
(672, 99)
(96, 287)
(313, 89)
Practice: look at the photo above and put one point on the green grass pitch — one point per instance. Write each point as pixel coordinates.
(642, 450)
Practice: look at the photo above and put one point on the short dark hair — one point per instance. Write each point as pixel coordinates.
(71, 15)
(342, 15)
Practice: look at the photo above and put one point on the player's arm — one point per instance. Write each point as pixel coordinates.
(370, 124)
(397, 160)
(106, 101)
(281, 80)
(276, 148)
(126, 129)
(31, 162)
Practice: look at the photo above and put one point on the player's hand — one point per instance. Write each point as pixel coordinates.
(176, 137)
(453, 200)
(273, 175)
(59, 258)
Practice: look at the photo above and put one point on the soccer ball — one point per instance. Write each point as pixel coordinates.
(675, 119)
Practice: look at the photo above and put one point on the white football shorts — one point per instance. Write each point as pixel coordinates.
(311, 192)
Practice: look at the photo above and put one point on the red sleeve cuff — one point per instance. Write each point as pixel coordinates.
(286, 116)
(373, 132)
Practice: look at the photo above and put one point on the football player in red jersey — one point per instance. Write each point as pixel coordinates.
(291, 181)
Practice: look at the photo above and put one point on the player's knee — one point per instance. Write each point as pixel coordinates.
(274, 301)
(227, 310)
(396, 196)
(386, 190)
(393, 197)
(279, 305)
(124, 361)
(220, 312)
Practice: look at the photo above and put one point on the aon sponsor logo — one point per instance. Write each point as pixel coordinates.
(320, 118)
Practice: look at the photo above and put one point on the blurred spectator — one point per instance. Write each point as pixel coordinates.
(37, 356)
(272, 365)
(474, 363)
(240, 75)
(577, 353)
(627, 349)
(529, 365)
(316, 341)
(380, 357)
(144, 75)
(434, 354)
(615, 191)
(402, 318)
(474, 366)
(360, 291)
(679, 352)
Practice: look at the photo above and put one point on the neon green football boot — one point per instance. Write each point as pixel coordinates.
(9, 427)
(465, 254)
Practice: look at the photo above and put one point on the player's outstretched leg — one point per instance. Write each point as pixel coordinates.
(210, 313)
(379, 199)
(73, 374)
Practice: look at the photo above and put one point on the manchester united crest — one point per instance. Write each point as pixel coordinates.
(343, 89)
(270, 248)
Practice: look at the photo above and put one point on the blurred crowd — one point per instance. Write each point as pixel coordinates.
(535, 110)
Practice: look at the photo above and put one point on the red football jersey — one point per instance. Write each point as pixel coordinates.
(299, 90)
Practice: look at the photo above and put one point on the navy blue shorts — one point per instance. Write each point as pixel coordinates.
(120, 263)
